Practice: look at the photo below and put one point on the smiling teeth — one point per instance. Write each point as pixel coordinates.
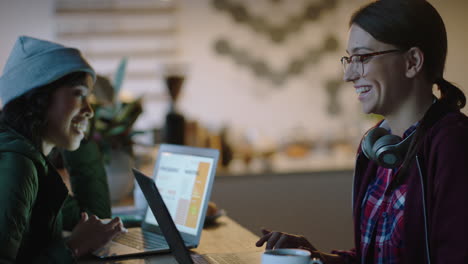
(361, 90)
(79, 126)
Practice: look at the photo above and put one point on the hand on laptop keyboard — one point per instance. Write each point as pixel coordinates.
(91, 233)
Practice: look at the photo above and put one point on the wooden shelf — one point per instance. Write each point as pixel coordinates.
(110, 30)
(117, 33)
(139, 75)
(129, 53)
(114, 11)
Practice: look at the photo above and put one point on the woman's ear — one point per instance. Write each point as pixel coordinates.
(414, 62)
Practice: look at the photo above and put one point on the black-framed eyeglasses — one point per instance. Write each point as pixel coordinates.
(359, 59)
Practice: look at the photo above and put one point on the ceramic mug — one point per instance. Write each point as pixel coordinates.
(288, 256)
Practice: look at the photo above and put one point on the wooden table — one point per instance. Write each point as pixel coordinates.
(226, 236)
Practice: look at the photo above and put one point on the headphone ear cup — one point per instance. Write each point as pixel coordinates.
(369, 140)
(386, 151)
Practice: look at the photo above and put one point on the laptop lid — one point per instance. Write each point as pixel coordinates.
(184, 177)
(159, 209)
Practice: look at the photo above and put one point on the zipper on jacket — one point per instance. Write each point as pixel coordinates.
(423, 196)
(354, 181)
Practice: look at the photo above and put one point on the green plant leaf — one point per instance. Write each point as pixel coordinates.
(105, 112)
(119, 76)
(117, 130)
(139, 132)
(128, 111)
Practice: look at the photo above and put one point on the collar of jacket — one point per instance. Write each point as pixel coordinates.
(12, 141)
(49, 178)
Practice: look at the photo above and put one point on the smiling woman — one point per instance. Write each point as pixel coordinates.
(68, 113)
(44, 90)
(410, 174)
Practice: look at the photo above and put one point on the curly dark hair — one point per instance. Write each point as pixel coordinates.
(27, 114)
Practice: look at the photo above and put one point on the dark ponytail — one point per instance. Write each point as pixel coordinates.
(414, 23)
(451, 94)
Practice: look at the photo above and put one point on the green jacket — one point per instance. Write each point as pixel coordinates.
(34, 203)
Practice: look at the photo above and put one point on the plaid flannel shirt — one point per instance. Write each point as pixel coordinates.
(382, 217)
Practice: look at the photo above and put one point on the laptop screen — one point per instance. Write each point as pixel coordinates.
(182, 181)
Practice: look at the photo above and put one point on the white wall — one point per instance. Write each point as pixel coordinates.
(454, 13)
(23, 17)
(218, 91)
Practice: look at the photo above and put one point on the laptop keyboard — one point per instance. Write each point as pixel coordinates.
(140, 239)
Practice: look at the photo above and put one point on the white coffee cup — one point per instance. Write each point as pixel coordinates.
(288, 256)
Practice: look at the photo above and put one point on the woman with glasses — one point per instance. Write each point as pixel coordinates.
(411, 174)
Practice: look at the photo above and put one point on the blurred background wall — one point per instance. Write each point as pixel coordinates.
(220, 91)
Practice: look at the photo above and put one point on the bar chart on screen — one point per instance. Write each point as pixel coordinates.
(182, 181)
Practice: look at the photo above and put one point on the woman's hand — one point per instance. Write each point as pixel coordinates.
(283, 240)
(92, 233)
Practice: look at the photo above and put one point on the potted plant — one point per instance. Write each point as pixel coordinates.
(112, 129)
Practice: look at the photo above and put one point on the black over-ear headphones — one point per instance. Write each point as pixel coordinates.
(386, 149)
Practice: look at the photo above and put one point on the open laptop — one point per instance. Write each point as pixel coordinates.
(173, 236)
(184, 176)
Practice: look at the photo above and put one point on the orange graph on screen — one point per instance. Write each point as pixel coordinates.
(181, 212)
(197, 193)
